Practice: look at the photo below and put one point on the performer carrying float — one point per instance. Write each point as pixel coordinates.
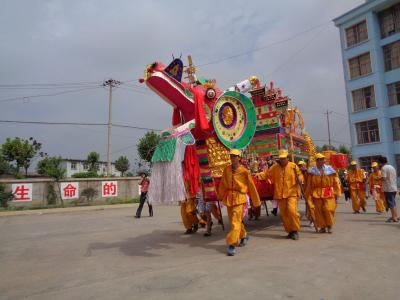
(236, 183)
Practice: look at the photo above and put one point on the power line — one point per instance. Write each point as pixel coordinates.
(48, 95)
(50, 84)
(264, 47)
(295, 54)
(78, 123)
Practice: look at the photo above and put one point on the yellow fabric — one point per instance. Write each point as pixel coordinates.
(283, 153)
(289, 214)
(237, 231)
(324, 207)
(319, 155)
(235, 152)
(234, 187)
(283, 179)
(324, 212)
(188, 213)
(315, 185)
(376, 190)
(356, 178)
(357, 199)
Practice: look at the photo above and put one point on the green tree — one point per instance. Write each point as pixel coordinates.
(5, 197)
(51, 167)
(147, 145)
(21, 152)
(93, 162)
(343, 149)
(122, 164)
(5, 167)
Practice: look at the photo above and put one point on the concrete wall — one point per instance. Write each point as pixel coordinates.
(128, 188)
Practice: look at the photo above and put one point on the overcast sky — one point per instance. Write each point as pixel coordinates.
(87, 42)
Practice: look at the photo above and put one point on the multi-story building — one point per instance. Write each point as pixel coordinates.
(73, 166)
(370, 42)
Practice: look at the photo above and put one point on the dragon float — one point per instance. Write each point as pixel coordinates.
(257, 119)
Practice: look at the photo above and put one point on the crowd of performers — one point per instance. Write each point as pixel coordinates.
(319, 185)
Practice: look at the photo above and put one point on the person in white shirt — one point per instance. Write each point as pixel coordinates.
(389, 183)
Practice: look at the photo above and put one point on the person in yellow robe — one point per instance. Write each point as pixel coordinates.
(189, 212)
(375, 188)
(286, 178)
(236, 183)
(310, 208)
(356, 179)
(323, 188)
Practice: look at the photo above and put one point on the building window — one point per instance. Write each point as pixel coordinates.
(396, 128)
(360, 65)
(356, 34)
(85, 166)
(393, 91)
(389, 20)
(73, 165)
(367, 132)
(363, 98)
(366, 161)
(397, 157)
(391, 55)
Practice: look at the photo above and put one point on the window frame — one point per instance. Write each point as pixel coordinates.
(359, 66)
(356, 33)
(363, 98)
(361, 134)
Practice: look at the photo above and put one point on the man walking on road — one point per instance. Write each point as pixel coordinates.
(144, 187)
(356, 179)
(286, 177)
(389, 182)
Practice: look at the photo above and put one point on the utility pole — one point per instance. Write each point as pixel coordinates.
(329, 130)
(110, 83)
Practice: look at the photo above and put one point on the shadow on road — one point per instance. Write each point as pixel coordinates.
(145, 245)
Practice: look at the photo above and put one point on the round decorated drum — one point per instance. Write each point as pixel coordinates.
(234, 119)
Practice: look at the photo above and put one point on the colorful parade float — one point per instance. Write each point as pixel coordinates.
(208, 122)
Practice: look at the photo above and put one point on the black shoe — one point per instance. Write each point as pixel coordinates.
(137, 217)
(295, 235)
(207, 234)
(364, 210)
(189, 231)
(274, 212)
(289, 236)
(195, 228)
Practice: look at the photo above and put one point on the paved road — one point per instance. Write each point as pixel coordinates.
(108, 254)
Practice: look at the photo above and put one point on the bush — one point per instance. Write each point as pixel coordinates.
(51, 194)
(5, 197)
(85, 175)
(89, 193)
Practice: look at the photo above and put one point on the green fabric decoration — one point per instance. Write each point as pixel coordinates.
(165, 151)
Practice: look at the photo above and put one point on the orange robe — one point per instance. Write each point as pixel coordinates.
(233, 191)
(323, 188)
(376, 190)
(356, 180)
(286, 192)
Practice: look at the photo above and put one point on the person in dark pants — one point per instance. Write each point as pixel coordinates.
(144, 187)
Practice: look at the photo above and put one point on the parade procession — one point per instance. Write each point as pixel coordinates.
(239, 148)
(222, 150)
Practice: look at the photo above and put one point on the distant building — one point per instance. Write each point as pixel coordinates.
(370, 42)
(73, 166)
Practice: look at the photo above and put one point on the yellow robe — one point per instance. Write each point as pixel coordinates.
(376, 190)
(310, 212)
(232, 191)
(188, 210)
(286, 192)
(356, 180)
(323, 190)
